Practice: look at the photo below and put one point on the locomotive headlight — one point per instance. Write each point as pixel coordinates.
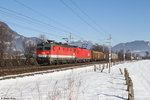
(73, 54)
(43, 53)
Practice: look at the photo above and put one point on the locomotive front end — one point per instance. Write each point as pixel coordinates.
(43, 52)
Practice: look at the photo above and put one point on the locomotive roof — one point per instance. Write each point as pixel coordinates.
(58, 44)
(52, 42)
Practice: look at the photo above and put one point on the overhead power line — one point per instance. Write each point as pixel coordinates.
(79, 16)
(7, 14)
(43, 15)
(36, 20)
(87, 15)
(22, 19)
(110, 55)
(32, 29)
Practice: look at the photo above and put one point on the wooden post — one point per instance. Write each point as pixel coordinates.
(127, 78)
(125, 73)
(129, 85)
(130, 89)
(99, 67)
(120, 70)
(103, 65)
(102, 68)
(94, 68)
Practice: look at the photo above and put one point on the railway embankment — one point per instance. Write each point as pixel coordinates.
(13, 72)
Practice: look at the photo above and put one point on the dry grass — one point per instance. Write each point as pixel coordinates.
(69, 88)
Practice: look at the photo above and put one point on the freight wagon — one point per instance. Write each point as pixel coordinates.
(97, 56)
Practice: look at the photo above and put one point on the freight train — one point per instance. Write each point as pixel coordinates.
(57, 53)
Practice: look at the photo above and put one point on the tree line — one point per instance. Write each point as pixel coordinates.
(121, 53)
(10, 56)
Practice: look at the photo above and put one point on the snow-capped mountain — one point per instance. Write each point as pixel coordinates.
(83, 43)
(17, 40)
(139, 46)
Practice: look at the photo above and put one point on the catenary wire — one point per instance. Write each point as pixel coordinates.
(41, 14)
(77, 6)
(92, 27)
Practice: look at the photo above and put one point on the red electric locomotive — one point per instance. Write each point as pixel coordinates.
(54, 53)
(82, 55)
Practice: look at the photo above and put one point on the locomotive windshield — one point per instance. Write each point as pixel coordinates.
(40, 48)
(47, 48)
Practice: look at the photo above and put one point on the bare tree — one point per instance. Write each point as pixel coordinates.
(9, 46)
(42, 38)
(100, 48)
(30, 52)
(6, 44)
(146, 53)
(120, 54)
(128, 55)
(97, 47)
(2, 46)
(10, 50)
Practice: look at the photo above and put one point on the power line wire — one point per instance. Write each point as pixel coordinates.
(41, 14)
(28, 22)
(31, 29)
(21, 18)
(79, 16)
(86, 15)
(36, 20)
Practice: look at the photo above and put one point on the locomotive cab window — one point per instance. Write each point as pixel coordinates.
(39, 48)
(47, 48)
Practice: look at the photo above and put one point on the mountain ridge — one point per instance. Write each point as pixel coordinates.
(17, 38)
(137, 46)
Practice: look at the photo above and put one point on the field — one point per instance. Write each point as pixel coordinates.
(80, 84)
(140, 74)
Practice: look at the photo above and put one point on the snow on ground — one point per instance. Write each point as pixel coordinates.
(140, 75)
(81, 84)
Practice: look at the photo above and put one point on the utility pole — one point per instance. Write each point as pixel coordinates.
(70, 38)
(131, 55)
(124, 56)
(109, 52)
(66, 39)
(103, 48)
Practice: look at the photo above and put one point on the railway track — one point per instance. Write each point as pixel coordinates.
(13, 72)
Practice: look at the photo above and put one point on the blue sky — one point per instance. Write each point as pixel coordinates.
(125, 20)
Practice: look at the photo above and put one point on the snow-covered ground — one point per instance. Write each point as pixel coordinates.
(140, 75)
(80, 84)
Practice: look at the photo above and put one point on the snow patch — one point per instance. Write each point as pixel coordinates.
(17, 37)
(77, 84)
(149, 44)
